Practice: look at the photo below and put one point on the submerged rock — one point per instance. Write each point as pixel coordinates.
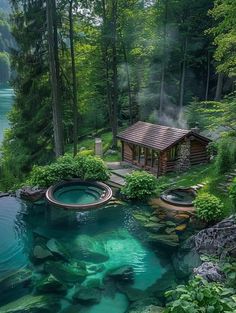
(148, 305)
(57, 248)
(184, 263)
(50, 285)
(22, 278)
(91, 249)
(210, 272)
(41, 253)
(123, 274)
(66, 272)
(171, 240)
(32, 304)
(85, 295)
(72, 309)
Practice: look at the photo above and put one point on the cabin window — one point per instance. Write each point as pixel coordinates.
(142, 155)
(136, 153)
(148, 157)
(172, 154)
(155, 157)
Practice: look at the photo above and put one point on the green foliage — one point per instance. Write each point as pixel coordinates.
(85, 153)
(92, 168)
(226, 156)
(230, 272)
(199, 296)
(66, 167)
(232, 192)
(208, 207)
(4, 67)
(139, 185)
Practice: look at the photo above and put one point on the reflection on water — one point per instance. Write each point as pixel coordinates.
(6, 100)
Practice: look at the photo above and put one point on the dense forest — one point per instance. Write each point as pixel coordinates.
(112, 63)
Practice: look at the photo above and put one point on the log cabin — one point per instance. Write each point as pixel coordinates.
(162, 149)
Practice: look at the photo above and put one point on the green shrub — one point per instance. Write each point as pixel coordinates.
(85, 153)
(199, 296)
(139, 185)
(226, 156)
(208, 207)
(92, 168)
(232, 192)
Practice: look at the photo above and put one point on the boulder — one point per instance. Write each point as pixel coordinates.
(32, 194)
(122, 274)
(76, 308)
(171, 240)
(93, 283)
(32, 304)
(185, 261)
(66, 272)
(58, 249)
(85, 295)
(210, 272)
(148, 305)
(21, 278)
(41, 253)
(90, 249)
(133, 294)
(50, 285)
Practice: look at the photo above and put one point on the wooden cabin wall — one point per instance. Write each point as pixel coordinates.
(198, 152)
(127, 152)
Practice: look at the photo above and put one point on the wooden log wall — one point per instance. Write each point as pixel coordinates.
(127, 152)
(198, 152)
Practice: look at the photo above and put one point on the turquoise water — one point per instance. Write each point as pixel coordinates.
(6, 100)
(111, 233)
(74, 194)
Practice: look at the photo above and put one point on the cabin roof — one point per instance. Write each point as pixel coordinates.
(155, 136)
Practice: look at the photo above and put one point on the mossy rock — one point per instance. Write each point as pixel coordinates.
(21, 278)
(85, 295)
(50, 285)
(58, 249)
(32, 304)
(171, 240)
(66, 272)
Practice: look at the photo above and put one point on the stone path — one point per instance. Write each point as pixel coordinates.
(118, 172)
(224, 185)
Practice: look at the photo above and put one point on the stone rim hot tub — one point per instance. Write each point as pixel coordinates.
(171, 196)
(99, 193)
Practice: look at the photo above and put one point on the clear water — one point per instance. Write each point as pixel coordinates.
(6, 100)
(112, 230)
(77, 194)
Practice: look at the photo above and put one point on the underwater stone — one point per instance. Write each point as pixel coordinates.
(167, 240)
(184, 262)
(58, 248)
(72, 309)
(40, 253)
(66, 272)
(19, 279)
(32, 304)
(123, 273)
(50, 285)
(144, 305)
(93, 283)
(86, 295)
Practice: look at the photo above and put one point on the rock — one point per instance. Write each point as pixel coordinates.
(32, 194)
(91, 249)
(122, 274)
(72, 309)
(210, 272)
(58, 249)
(41, 253)
(85, 295)
(181, 227)
(182, 217)
(141, 217)
(170, 230)
(50, 285)
(166, 282)
(21, 278)
(154, 219)
(93, 283)
(4, 194)
(171, 240)
(32, 304)
(95, 268)
(184, 263)
(153, 309)
(66, 272)
(145, 306)
(170, 223)
(110, 152)
(218, 240)
(133, 294)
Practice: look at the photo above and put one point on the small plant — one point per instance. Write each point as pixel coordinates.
(199, 296)
(209, 208)
(92, 168)
(85, 153)
(139, 185)
(232, 192)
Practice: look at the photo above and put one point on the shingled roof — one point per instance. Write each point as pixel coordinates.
(154, 136)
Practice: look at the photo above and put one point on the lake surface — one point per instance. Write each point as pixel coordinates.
(6, 100)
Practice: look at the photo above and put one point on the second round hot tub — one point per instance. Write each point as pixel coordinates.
(79, 195)
(179, 196)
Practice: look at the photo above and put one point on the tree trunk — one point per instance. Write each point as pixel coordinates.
(183, 72)
(54, 76)
(163, 65)
(208, 75)
(219, 87)
(114, 76)
(128, 83)
(74, 81)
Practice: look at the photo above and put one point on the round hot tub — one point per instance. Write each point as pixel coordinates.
(179, 196)
(79, 195)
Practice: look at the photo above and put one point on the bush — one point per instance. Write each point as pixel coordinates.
(139, 185)
(92, 168)
(66, 167)
(226, 156)
(232, 192)
(199, 296)
(208, 207)
(85, 153)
